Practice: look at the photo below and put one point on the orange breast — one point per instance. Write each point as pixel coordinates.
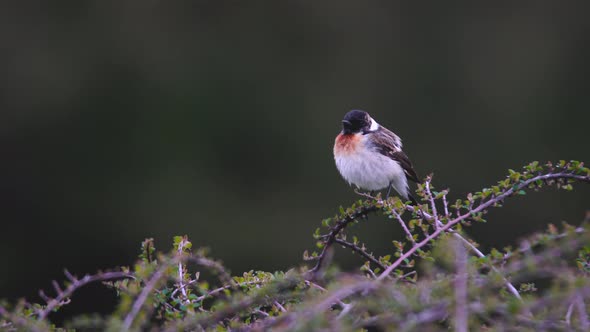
(346, 144)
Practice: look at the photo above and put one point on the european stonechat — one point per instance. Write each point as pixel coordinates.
(370, 156)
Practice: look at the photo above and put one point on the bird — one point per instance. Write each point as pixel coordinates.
(370, 156)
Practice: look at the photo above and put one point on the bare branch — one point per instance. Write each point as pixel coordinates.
(361, 252)
(445, 204)
(280, 306)
(180, 252)
(568, 314)
(64, 295)
(404, 227)
(461, 312)
(142, 297)
(431, 199)
(582, 313)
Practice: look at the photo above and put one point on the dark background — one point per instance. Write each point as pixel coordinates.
(121, 120)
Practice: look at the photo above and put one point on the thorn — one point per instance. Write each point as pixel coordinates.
(57, 288)
(43, 296)
(70, 276)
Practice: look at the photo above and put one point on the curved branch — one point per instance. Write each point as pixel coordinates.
(336, 229)
(63, 295)
(142, 297)
(361, 252)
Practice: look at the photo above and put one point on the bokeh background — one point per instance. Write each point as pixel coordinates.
(121, 120)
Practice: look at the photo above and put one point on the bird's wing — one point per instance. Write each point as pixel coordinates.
(389, 144)
(406, 164)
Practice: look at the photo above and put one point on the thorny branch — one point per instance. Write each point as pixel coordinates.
(336, 229)
(63, 296)
(360, 251)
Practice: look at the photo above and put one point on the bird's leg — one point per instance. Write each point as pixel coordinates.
(388, 191)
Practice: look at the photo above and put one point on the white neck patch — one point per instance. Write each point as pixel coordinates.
(374, 125)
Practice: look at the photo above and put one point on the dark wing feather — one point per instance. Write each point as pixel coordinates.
(406, 164)
(389, 144)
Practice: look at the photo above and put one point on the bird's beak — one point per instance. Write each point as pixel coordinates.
(346, 123)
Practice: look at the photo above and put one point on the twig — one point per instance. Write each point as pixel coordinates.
(280, 306)
(431, 199)
(425, 316)
(223, 275)
(221, 289)
(461, 313)
(404, 227)
(142, 297)
(312, 284)
(184, 286)
(364, 194)
(568, 314)
(361, 252)
(335, 296)
(261, 313)
(373, 275)
(411, 322)
(180, 252)
(235, 307)
(445, 204)
(345, 310)
(407, 275)
(582, 313)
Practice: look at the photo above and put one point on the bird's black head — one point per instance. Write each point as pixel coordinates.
(356, 121)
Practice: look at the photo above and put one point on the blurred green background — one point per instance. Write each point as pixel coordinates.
(121, 120)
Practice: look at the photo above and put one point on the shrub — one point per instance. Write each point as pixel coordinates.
(434, 279)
